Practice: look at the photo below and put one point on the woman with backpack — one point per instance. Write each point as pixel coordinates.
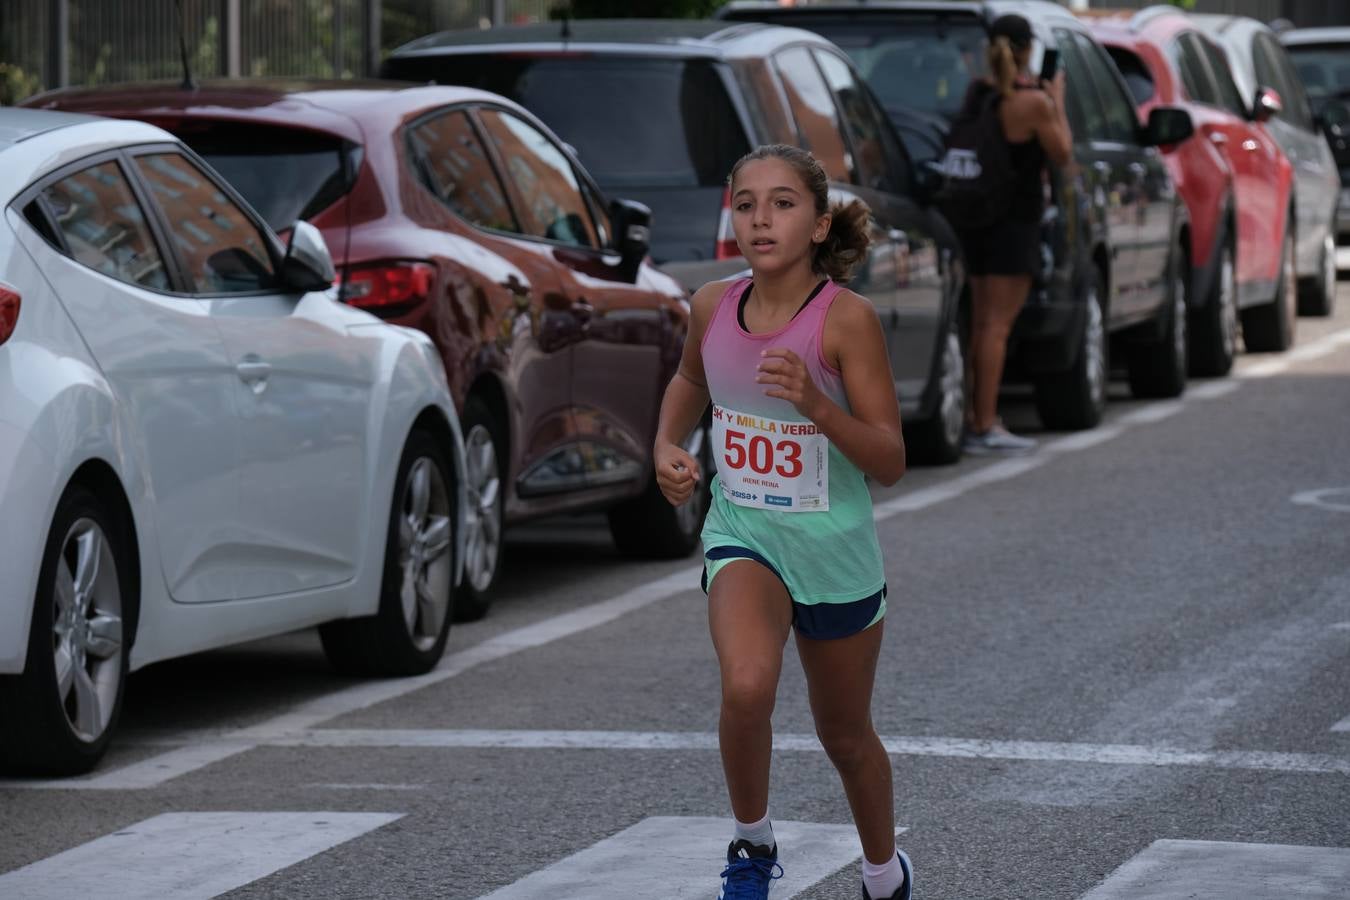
(1002, 256)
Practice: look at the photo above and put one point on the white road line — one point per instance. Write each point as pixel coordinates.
(954, 748)
(187, 856)
(688, 857)
(1209, 870)
(1342, 725)
(1212, 390)
(159, 769)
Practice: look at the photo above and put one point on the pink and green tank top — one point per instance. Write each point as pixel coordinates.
(782, 490)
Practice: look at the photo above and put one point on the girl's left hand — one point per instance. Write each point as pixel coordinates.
(785, 369)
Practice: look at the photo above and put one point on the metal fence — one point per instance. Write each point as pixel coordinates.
(51, 43)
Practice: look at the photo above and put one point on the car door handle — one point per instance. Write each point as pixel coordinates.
(253, 372)
(1218, 138)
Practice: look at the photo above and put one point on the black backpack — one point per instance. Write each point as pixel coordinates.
(977, 167)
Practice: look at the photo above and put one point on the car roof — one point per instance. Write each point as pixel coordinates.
(1299, 36)
(657, 37)
(18, 124)
(35, 142)
(342, 107)
(1041, 13)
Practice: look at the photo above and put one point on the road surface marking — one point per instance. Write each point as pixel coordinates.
(682, 856)
(187, 856)
(1342, 725)
(1334, 499)
(1209, 870)
(953, 748)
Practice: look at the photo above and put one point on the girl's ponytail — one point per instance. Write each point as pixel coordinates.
(846, 243)
(1002, 65)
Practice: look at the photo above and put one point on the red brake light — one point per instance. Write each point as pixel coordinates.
(388, 284)
(9, 311)
(726, 237)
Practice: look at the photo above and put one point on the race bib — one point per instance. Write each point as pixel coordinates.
(771, 464)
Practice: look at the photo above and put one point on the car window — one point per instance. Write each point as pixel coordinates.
(1324, 70)
(1137, 76)
(105, 228)
(815, 113)
(1086, 120)
(222, 250)
(543, 178)
(663, 123)
(1121, 121)
(454, 165)
(862, 121)
(284, 173)
(1229, 97)
(1194, 74)
(1296, 107)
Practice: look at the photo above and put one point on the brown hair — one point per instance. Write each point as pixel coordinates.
(1002, 64)
(844, 245)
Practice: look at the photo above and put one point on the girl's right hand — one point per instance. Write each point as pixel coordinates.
(677, 473)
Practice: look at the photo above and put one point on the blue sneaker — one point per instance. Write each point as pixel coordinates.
(750, 869)
(904, 891)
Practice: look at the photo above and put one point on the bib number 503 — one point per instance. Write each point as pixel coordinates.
(763, 455)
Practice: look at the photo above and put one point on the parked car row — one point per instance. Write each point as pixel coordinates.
(213, 406)
(1257, 182)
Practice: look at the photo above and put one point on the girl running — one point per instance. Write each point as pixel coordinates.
(803, 407)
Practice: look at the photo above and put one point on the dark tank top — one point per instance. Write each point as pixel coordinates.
(1028, 159)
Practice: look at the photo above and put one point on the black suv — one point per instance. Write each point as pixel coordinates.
(661, 110)
(1115, 276)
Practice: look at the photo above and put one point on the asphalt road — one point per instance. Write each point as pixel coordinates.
(1115, 668)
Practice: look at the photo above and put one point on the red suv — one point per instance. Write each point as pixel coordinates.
(1234, 178)
(458, 212)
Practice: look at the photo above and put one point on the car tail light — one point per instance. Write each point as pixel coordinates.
(9, 311)
(726, 236)
(388, 284)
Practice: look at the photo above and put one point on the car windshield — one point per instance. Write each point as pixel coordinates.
(1325, 70)
(644, 122)
(922, 64)
(284, 173)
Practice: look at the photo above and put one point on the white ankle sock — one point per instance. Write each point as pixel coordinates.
(884, 880)
(759, 833)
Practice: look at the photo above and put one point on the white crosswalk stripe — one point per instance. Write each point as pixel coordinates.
(677, 858)
(187, 855)
(1209, 870)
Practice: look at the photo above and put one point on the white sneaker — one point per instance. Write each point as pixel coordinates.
(996, 440)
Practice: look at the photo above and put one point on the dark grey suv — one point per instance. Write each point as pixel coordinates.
(660, 111)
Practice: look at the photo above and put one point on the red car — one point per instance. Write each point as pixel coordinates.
(1233, 177)
(458, 212)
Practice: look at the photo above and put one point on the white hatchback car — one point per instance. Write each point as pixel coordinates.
(198, 444)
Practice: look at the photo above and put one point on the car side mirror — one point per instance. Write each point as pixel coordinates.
(1267, 105)
(307, 266)
(1167, 125)
(632, 223)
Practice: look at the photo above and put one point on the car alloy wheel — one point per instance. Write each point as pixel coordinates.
(1094, 347)
(952, 400)
(1180, 337)
(87, 630)
(425, 529)
(482, 520)
(1228, 314)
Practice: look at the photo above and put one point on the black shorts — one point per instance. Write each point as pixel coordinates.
(1009, 247)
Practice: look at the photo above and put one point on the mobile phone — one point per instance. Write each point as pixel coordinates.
(1049, 64)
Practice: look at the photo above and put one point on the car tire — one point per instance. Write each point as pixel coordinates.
(648, 527)
(407, 634)
(1317, 295)
(59, 715)
(937, 440)
(1269, 328)
(484, 477)
(1159, 368)
(1075, 399)
(1214, 326)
